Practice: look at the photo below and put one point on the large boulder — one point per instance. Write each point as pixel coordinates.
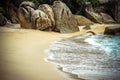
(112, 7)
(112, 30)
(49, 11)
(117, 11)
(81, 21)
(91, 14)
(40, 20)
(3, 20)
(64, 19)
(107, 18)
(25, 12)
(12, 11)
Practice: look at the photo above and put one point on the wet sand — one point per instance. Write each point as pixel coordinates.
(22, 54)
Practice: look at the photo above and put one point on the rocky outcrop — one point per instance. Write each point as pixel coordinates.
(81, 21)
(91, 14)
(64, 19)
(112, 7)
(25, 12)
(98, 17)
(49, 11)
(3, 20)
(107, 18)
(40, 20)
(117, 11)
(12, 11)
(112, 30)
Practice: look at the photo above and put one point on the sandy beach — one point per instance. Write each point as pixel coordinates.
(22, 54)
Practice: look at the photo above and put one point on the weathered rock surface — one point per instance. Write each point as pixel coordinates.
(117, 11)
(3, 20)
(97, 17)
(107, 18)
(81, 21)
(12, 11)
(112, 7)
(112, 30)
(91, 14)
(64, 19)
(25, 12)
(49, 11)
(40, 20)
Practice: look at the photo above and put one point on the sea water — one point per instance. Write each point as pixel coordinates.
(89, 57)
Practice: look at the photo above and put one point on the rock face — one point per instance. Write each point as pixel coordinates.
(117, 11)
(90, 14)
(97, 17)
(25, 12)
(112, 30)
(13, 13)
(64, 19)
(81, 21)
(3, 20)
(49, 11)
(106, 18)
(40, 20)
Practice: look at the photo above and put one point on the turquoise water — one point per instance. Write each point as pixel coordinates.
(90, 57)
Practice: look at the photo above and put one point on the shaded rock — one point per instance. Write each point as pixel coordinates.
(117, 11)
(81, 21)
(25, 12)
(107, 18)
(112, 30)
(12, 11)
(112, 7)
(49, 11)
(64, 19)
(40, 20)
(3, 20)
(91, 14)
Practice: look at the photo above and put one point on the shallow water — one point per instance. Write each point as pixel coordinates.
(90, 57)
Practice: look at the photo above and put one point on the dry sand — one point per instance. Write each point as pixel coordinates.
(22, 54)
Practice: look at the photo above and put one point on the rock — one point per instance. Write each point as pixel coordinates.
(12, 11)
(25, 12)
(112, 7)
(81, 21)
(40, 20)
(112, 30)
(3, 20)
(64, 19)
(28, 3)
(117, 11)
(49, 11)
(91, 14)
(107, 18)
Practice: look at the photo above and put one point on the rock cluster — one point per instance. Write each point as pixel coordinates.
(97, 17)
(58, 17)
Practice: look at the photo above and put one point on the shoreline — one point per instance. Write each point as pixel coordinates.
(23, 53)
